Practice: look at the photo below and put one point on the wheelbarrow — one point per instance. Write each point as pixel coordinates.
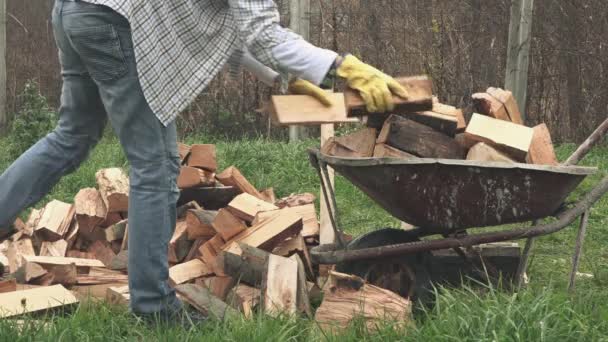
(446, 199)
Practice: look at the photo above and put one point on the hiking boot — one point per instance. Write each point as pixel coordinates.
(186, 318)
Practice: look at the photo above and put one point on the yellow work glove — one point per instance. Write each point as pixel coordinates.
(303, 87)
(376, 88)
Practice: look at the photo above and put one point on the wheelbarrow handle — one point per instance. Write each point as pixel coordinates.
(588, 144)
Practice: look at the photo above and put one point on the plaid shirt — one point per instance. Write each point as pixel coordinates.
(180, 46)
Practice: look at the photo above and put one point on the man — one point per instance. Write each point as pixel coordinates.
(139, 63)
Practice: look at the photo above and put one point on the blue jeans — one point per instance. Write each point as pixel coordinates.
(100, 82)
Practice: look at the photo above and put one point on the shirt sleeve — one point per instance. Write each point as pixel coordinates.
(277, 47)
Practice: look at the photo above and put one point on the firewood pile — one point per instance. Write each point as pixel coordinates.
(249, 255)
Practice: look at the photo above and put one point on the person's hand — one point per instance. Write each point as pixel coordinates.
(376, 88)
(303, 87)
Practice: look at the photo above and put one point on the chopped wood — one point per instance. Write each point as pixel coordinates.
(90, 209)
(98, 276)
(541, 149)
(360, 143)
(302, 299)
(308, 212)
(210, 250)
(63, 274)
(9, 285)
(418, 139)
(267, 234)
(453, 111)
(112, 219)
(233, 177)
(194, 250)
(120, 261)
(464, 141)
(32, 221)
(54, 249)
(445, 122)
(296, 245)
(72, 235)
(118, 295)
(508, 100)
(487, 104)
(191, 177)
(332, 148)
(37, 299)
(28, 272)
(16, 251)
(125, 240)
(79, 254)
(387, 151)
(183, 209)
(199, 223)
(50, 261)
(183, 150)
(246, 206)
(228, 225)
(97, 234)
(244, 263)
(203, 157)
(484, 152)
(306, 110)
(55, 220)
(269, 195)
(188, 271)
(116, 231)
(420, 97)
(244, 298)
(349, 297)
(113, 185)
(296, 200)
(219, 286)
(279, 286)
(103, 252)
(506, 136)
(179, 245)
(204, 301)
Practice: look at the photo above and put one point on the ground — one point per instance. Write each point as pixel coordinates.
(544, 311)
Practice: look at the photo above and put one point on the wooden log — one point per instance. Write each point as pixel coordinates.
(199, 224)
(486, 104)
(210, 249)
(50, 261)
(280, 286)
(55, 220)
(54, 249)
(112, 219)
(188, 271)
(361, 142)
(118, 295)
(205, 302)
(179, 245)
(203, 157)
(310, 222)
(66, 275)
(194, 250)
(219, 286)
(102, 252)
(296, 200)
(28, 272)
(541, 149)
(444, 123)
(79, 254)
(269, 195)
(332, 148)
(233, 177)
(506, 136)
(244, 298)
(244, 263)
(464, 141)
(246, 206)
(183, 150)
(113, 185)
(387, 151)
(508, 100)
(90, 209)
(296, 245)
(228, 225)
(117, 231)
(420, 97)
(183, 209)
(306, 110)
(484, 152)
(418, 139)
(16, 251)
(9, 285)
(302, 299)
(349, 297)
(120, 261)
(267, 234)
(191, 177)
(37, 299)
(99, 276)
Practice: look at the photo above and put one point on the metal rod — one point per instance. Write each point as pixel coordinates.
(563, 220)
(588, 144)
(578, 249)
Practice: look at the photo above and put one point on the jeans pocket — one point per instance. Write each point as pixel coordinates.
(101, 51)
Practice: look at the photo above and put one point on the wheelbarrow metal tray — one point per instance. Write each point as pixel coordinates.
(445, 195)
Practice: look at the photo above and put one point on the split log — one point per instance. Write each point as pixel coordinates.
(310, 222)
(219, 286)
(203, 157)
(54, 249)
(113, 185)
(102, 252)
(120, 262)
(55, 220)
(199, 224)
(51, 261)
(244, 263)
(66, 275)
(9, 285)
(188, 271)
(191, 177)
(194, 250)
(349, 297)
(508, 137)
(280, 286)
(32, 221)
(442, 118)
(269, 195)
(37, 299)
(302, 299)
(296, 200)
(79, 254)
(118, 295)
(98, 276)
(210, 250)
(233, 177)
(508, 100)
(541, 149)
(486, 153)
(179, 245)
(418, 139)
(267, 234)
(246, 206)
(359, 144)
(16, 251)
(183, 150)
(464, 141)
(183, 209)
(117, 231)
(28, 272)
(245, 299)
(228, 225)
(386, 151)
(487, 104)
(204, 301)
(90, 209)
(307, 110)
(332, 148)
(420, 97)
(296, 245)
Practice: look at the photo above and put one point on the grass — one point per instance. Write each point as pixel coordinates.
(542, 312)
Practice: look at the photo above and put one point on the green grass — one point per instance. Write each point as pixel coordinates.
(542, 312)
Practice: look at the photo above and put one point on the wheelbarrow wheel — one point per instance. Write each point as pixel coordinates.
(407, 275)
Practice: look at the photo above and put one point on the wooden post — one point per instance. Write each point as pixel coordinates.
(3, 106)
(299, 22)
(518, 52)
(578, 250)
(326, 231)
